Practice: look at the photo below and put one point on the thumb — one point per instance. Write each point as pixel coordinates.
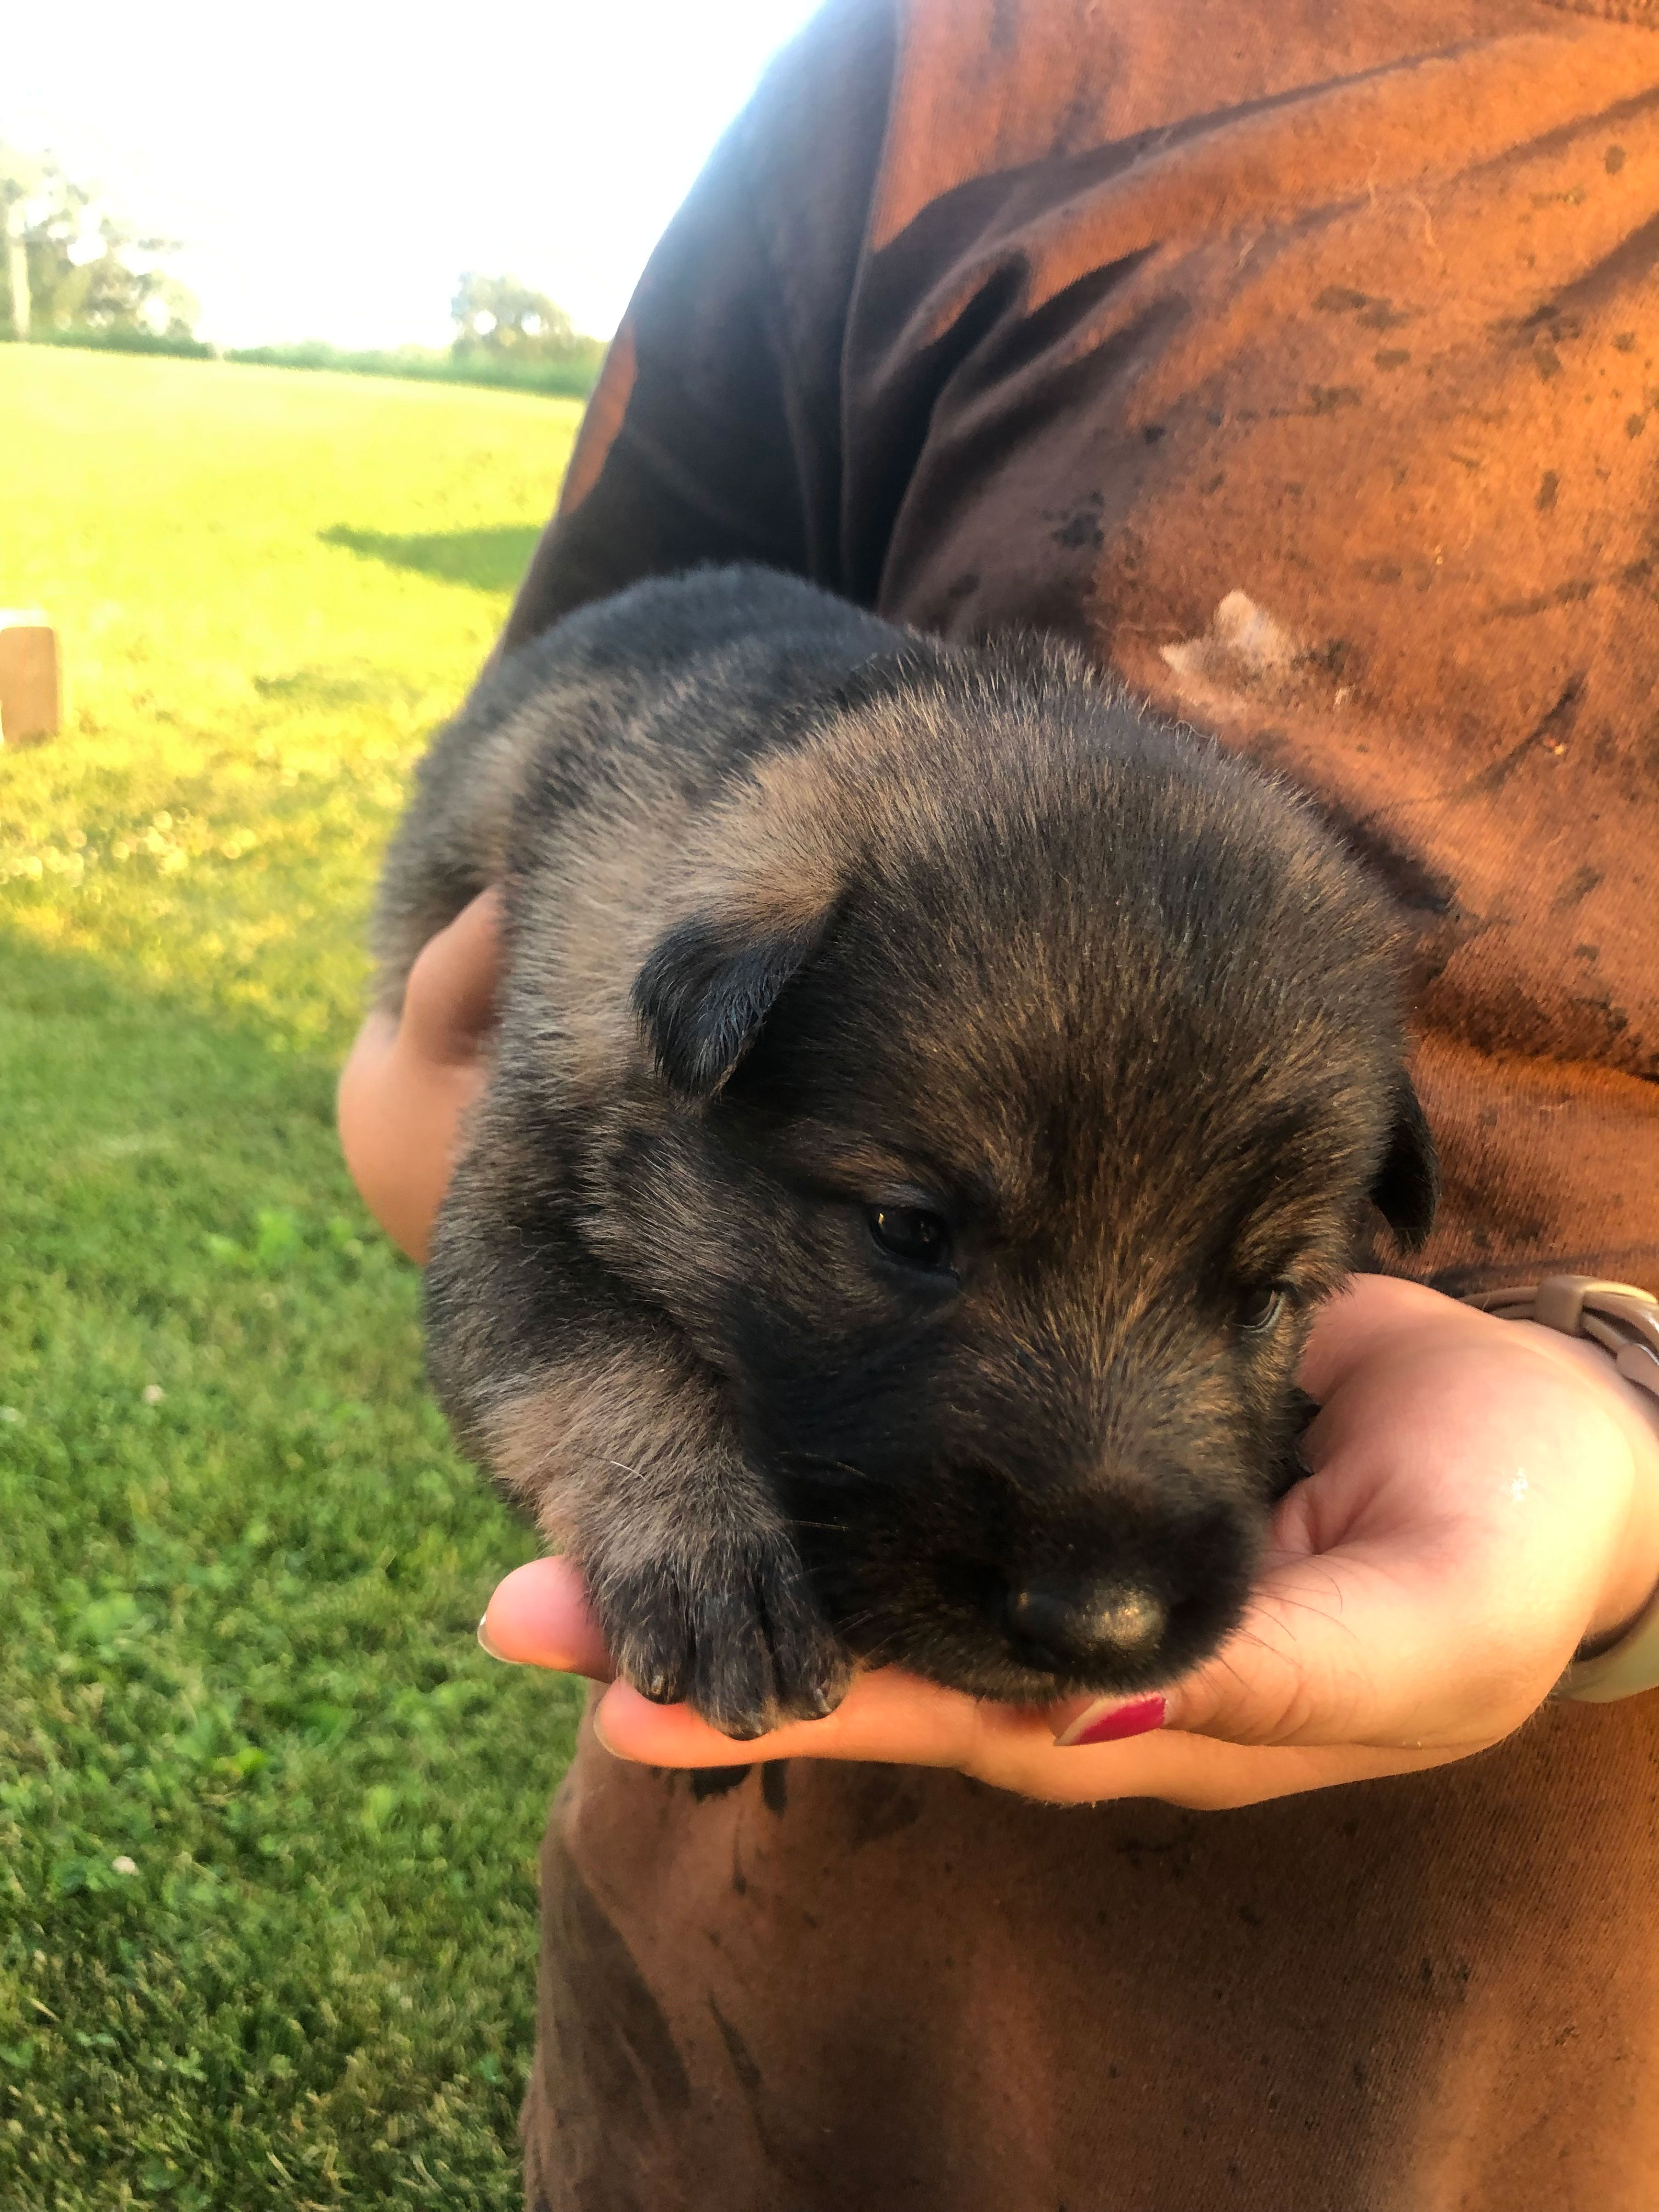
(1394, 1638)
(1339, 1648)
(539, 1616)
(449, 1002)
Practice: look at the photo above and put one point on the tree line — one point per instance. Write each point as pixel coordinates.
(71, 264)
(73, 272)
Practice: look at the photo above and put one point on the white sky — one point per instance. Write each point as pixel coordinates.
(335, 164)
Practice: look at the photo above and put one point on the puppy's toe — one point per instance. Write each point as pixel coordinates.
(649, 1637)
(730, 1684)
(747, 1680)
(809, 1668)
(734, 1631)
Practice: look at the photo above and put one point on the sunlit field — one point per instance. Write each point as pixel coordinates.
(268, 1818)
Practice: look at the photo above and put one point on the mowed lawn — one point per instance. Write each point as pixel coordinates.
(268, 1818)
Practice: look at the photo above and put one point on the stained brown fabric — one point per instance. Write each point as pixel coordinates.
(1302, 359)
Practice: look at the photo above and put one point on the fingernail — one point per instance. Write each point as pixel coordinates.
(596, 1722)
(485, 1644)
(1107, 1723)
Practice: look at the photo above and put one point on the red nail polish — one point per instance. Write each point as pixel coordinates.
(1113, 1725)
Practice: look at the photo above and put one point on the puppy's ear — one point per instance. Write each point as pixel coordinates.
(1407, 1190)
(706, 987)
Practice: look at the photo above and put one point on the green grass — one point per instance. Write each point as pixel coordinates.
(267, 1818)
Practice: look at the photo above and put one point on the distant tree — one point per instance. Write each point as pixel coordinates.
(499, 319)
(71, 264)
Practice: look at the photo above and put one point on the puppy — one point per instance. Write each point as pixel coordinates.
(931, 1099)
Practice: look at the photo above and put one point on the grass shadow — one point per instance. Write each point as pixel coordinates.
(490, 559)
(332, 687)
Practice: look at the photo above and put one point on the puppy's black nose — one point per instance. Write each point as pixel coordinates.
(1082, 1623)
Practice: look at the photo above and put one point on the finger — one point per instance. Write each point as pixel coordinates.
(450, 1001)
(357, 1095)
(539, 1617)
(886, 1715)
(890, 1718)
(398, 1159)
(1213, 1776)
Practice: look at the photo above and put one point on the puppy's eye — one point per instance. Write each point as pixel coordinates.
(1262, 1309)
(908, 1233)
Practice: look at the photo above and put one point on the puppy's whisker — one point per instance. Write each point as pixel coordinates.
(816, 1462)
(1260, 1643)
(1332, 1614)
(853, 1621)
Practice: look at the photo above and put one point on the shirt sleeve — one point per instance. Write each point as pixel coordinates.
(714, 432)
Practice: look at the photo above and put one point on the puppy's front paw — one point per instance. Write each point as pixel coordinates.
(730, 1627)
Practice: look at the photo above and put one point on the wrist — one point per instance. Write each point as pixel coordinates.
(1620, 1433)
(1609, 1332)
(1632, 1578)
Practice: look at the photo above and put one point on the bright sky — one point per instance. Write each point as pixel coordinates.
(334, 164)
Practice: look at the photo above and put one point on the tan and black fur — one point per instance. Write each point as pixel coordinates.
(820, 933)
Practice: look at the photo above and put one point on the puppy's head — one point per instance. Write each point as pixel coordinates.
(1019, 1076)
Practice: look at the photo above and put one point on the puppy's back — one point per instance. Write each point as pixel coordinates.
(644, 704)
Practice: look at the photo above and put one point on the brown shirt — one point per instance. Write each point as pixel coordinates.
(1301, 358)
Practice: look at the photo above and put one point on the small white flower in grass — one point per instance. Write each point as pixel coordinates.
(9, 1413)
(153, 1393)
(124, 1864)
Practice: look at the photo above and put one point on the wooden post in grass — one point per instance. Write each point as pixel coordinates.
(30, 688)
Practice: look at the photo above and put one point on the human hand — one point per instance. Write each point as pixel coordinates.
(1485, 1503)
(408, 1083)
